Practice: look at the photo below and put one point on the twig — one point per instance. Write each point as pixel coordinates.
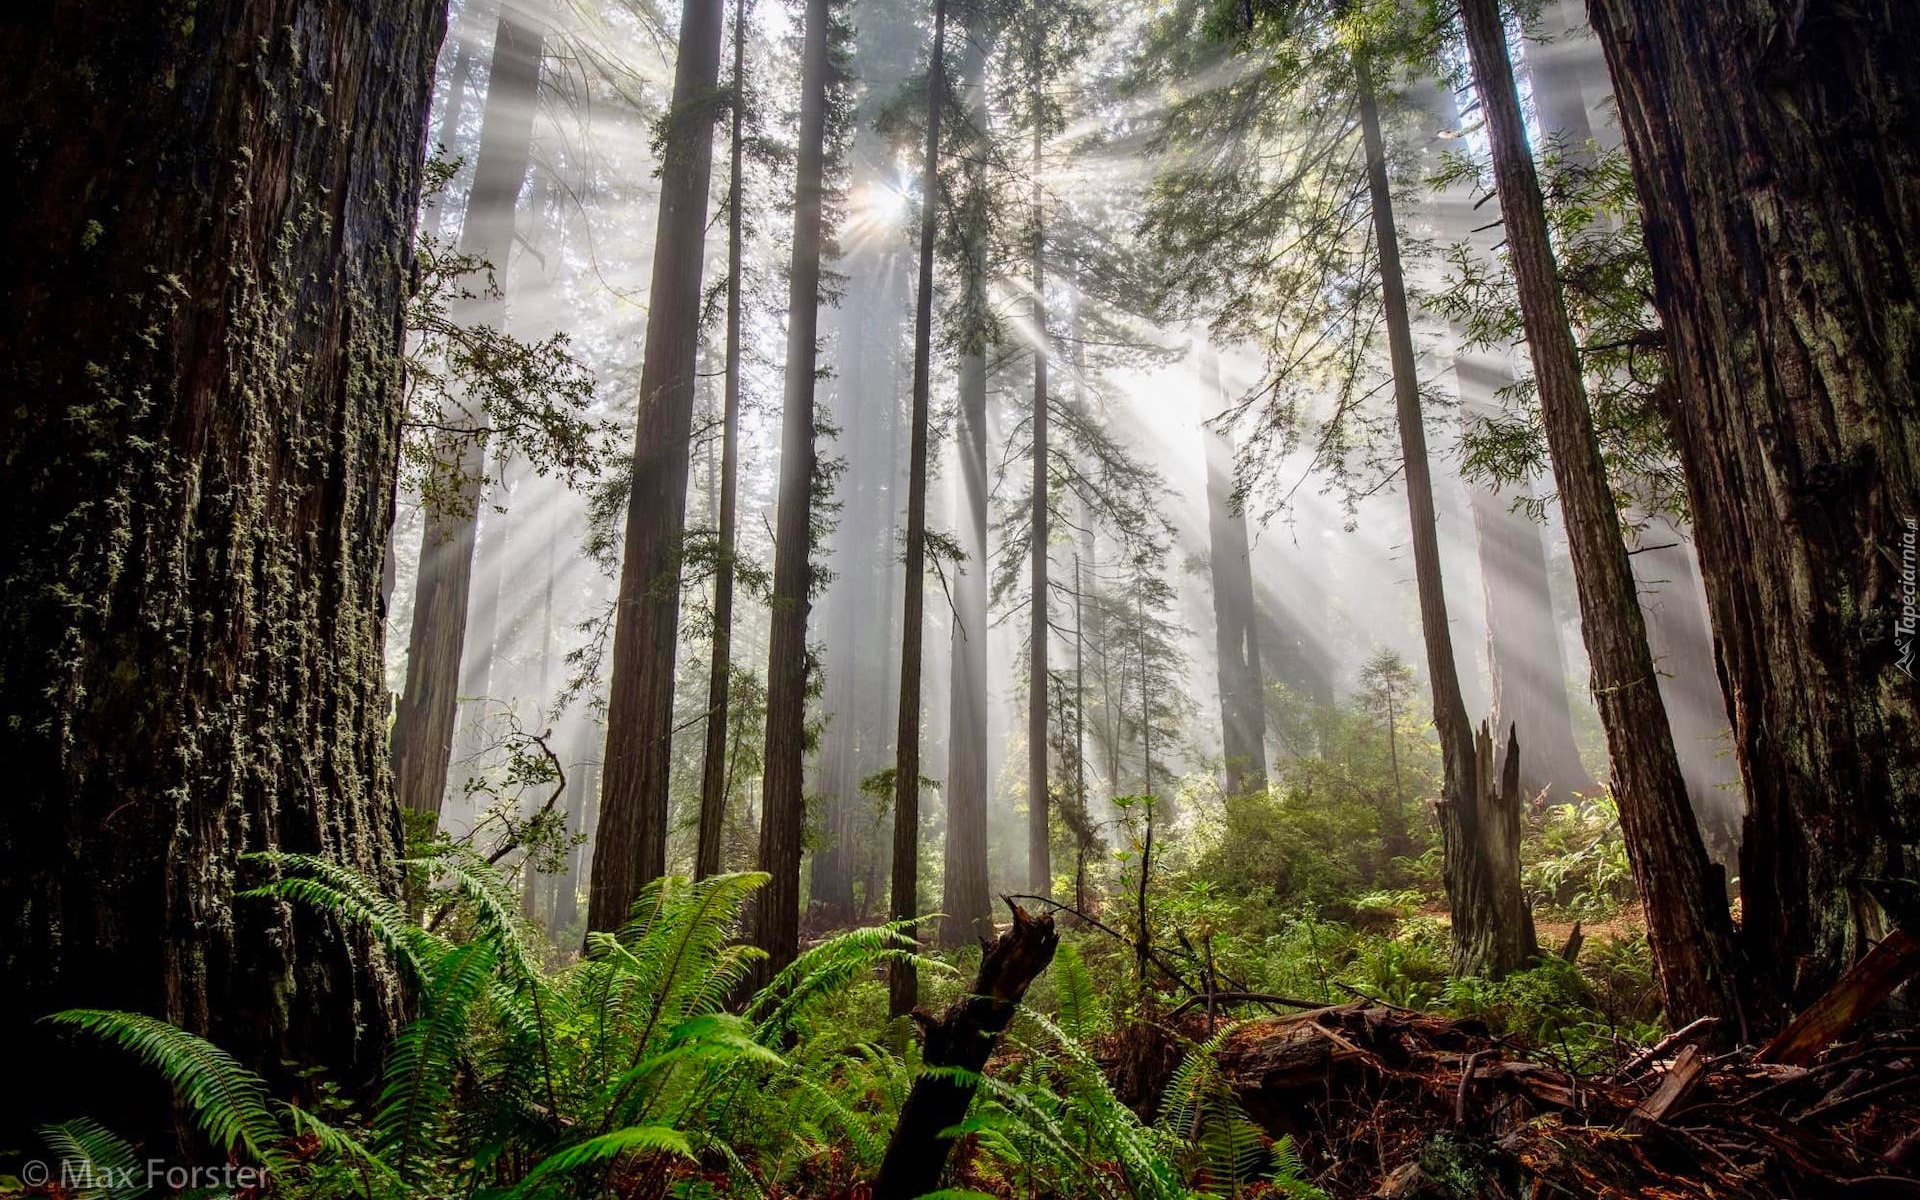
(1211, 998)
(1666, 1045)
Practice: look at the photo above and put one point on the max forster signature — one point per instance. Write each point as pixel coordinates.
(1905, 628)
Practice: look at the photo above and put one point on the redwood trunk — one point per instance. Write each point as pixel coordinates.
(1492, 926)
(1039, 797)
(1688, 925)
(903, 983)
(713, 765)
(207, 229)
(424, 720)
(1236, 638)
(783, 779)
(1776, 150)
(632, 845)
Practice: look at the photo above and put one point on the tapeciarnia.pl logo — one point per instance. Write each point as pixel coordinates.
(1909, 622)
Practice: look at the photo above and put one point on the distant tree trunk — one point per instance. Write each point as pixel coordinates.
(1492, 926)
(968, 903)
(423, 725)
(902, 982)
(206, 227)
(1039, 841)
(713, 766)
(783, 799)
(1236, 636)
(632, 846)
(1688, 926)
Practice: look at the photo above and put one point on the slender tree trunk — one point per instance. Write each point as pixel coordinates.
(207, 233)
(1492, 926)
(1236, 637)
(1039, 841)
(968, 901)
(783, 800)
(903, 983)
(1688, 925)
(423, 725)
(713, 766)
(632, 847)
(1775, 149)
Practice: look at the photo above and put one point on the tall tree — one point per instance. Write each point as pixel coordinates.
(1039, 790)
(631, 848)
(1236, 636)
(903, 982)
(207, 229)
(1688, 925)
(713, 765)
(1790, 303)
(1492, 926)
(423, 725)
(968, 903)
(783, 779)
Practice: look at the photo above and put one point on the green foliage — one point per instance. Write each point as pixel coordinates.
(1577, 859)
(100, 1164)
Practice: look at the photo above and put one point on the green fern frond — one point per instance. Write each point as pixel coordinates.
(229, 1103)
(822, 971)
(609, 1146)
(326, 886)
(1081, 1016)
(420, 1068)
(97, 1163)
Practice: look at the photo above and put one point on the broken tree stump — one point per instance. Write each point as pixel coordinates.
(963, 1037)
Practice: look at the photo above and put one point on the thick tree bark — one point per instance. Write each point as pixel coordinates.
(713, 765)
(632, 846)
(423, 725)
(1776, 150)
(1039, 796)
(1491, 935)
(1688, 925)
(783, 779)
(902, 981)
(207, 229)
(1236, 636)
(963, 1037)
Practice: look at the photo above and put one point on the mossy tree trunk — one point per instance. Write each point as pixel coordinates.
(206, 215)
(1776, 151)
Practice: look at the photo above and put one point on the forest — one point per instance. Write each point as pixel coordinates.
(961, 599)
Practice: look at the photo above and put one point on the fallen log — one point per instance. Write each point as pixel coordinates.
(963, 1037)
(1866, 985)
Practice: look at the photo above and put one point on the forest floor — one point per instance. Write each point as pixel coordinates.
(1389, 1102)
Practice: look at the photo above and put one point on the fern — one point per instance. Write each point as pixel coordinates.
(420, 1070)
(99, 1162)
(1081, 1017)
(229, 1103)
(605, 1148)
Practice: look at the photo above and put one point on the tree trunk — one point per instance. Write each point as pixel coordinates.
(1491, 934)
(713, 765)
(1236, 637)
(902, 982)
(632, 846)
(1688, 925)
(1775, 150)
(423, 725)
(1039, 842)
(962, 1039)
(968, 903)
(206, 226)
(783, 800)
